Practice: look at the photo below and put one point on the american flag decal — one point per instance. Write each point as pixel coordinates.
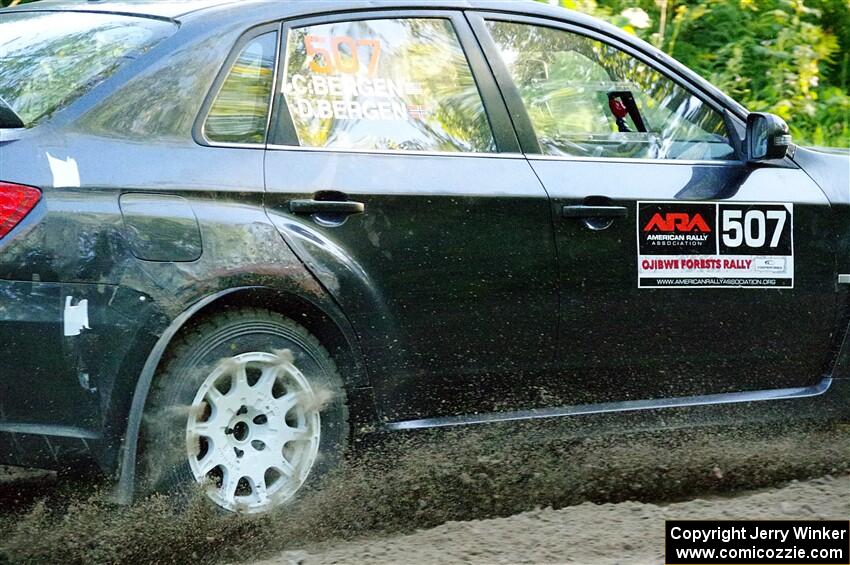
(417, 112)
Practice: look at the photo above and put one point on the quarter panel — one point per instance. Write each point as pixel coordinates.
(74, 244)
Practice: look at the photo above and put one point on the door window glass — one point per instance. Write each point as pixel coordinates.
(384, 85)
(240, 111)
(586, 98)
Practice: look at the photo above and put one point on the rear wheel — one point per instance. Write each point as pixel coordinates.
(251, 407)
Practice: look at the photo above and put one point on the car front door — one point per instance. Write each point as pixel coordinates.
(396, 176)
(683, 270)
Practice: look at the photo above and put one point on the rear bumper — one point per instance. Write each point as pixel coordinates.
(68, 353)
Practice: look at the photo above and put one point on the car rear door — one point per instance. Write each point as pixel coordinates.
(683, 270)
(395, 175)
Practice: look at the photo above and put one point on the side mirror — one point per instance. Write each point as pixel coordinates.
(767, 137)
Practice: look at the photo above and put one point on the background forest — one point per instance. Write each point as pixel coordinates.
(789, 57)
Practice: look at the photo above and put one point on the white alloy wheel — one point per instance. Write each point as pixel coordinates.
(253, 431)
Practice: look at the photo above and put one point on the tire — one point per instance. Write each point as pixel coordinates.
(249, 405)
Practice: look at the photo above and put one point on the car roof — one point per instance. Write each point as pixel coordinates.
(250, 12)
(171, 9)
(278, 9)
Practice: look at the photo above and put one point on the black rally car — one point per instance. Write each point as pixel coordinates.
(233, 234)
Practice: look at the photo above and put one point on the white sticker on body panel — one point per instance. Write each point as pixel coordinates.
(715, 245)
(76, 318)
(65, 172)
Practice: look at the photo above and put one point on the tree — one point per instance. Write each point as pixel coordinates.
(789, 57)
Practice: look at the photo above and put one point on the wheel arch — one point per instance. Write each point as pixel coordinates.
(342, 345)
(329, 327)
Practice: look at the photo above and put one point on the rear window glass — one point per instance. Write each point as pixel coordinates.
(240, 111)
(49, 59)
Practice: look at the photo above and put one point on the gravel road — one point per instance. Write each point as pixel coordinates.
(495, 495)
(627, 532)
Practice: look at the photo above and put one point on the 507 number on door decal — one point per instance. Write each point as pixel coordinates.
(750, 227)
(715, 245)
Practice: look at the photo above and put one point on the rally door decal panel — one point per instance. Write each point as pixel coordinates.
(715, 245)
(626, 333)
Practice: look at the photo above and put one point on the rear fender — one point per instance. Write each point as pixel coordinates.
(338, 271)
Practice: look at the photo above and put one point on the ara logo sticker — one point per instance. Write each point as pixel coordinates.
(715, 245)
(677, 222)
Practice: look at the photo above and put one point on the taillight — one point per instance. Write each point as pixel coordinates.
(16, 201)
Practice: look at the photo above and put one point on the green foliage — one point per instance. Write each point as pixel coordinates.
(789, 57)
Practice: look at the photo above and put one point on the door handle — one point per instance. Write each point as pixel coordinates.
(326, 207)
(594, 212)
